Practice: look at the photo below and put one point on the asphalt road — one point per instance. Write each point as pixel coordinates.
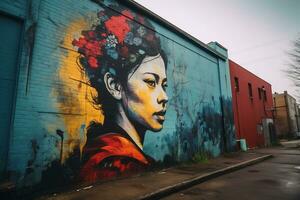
(276, 178)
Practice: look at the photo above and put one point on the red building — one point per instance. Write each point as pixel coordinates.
(252, 106)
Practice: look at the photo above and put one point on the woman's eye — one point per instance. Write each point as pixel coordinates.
(151, 83)
(165, 86)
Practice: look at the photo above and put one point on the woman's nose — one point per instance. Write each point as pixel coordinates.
(162, 97)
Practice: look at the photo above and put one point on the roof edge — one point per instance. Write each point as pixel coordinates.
(171, 26)
(248, 71)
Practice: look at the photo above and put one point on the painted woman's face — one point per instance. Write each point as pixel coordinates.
(145, 96)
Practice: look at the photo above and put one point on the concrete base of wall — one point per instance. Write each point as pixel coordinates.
(290, 144)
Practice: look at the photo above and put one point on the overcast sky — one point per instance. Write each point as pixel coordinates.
(257, 33)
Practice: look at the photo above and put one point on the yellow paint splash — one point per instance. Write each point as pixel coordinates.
(74, 95)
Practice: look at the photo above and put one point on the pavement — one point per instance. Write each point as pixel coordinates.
(290, 144)
(274, 179)
(157, 184)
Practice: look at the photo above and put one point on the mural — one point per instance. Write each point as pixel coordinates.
(120, 78)
(112, 92)
(127, 67)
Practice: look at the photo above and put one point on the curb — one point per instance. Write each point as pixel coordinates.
(199, 179)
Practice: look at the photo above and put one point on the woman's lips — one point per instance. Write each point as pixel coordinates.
(160, 116)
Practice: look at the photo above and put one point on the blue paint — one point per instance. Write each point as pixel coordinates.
(199, 116)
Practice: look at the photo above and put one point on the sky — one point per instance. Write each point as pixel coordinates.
(257, 33)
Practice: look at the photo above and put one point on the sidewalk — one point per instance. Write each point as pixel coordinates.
(290, 144)
(155, 184)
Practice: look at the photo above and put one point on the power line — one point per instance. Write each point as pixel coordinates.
(269, 43)
(262, 59)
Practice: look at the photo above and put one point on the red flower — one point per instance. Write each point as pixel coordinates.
(91, 34)
(89, 45)
(79, 43)
(93, 62)
(92, 48)
(118, 26)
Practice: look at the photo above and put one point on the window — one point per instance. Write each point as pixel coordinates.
(264, 93)
(250, 90)
(259, 93)
(236, 84)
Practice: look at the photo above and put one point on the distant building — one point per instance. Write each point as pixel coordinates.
(287, 115)
(252, 107)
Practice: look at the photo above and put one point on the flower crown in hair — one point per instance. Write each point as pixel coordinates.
(115, 38)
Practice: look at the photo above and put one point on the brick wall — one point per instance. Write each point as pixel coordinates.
(53, 96)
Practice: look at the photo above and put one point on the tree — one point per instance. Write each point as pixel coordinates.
(293, 71)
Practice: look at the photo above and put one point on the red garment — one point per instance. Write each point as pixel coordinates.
(112, 155)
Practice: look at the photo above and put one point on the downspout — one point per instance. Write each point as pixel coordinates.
(222, 109)
(237, 113)
(274, 114)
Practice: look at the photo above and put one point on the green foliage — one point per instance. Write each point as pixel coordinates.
(201, 157)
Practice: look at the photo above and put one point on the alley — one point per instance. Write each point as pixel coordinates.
(276, 178)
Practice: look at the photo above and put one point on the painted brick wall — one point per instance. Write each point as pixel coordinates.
(249, 112)
(54, 99)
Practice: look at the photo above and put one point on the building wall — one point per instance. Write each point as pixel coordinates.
(281, 115)
(12, 18)
(286, 114)
(249, 112)
(298, 120)
(292, 113)
(55, 111)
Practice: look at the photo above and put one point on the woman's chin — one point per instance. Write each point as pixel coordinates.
(153, 125)
(156, 128)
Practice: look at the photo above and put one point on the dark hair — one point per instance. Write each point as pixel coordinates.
(118, 43)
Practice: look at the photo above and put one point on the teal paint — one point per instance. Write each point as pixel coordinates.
(198, 117)
(9, 51)
(15, 8)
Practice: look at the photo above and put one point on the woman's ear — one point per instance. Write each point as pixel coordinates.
(112, 85)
